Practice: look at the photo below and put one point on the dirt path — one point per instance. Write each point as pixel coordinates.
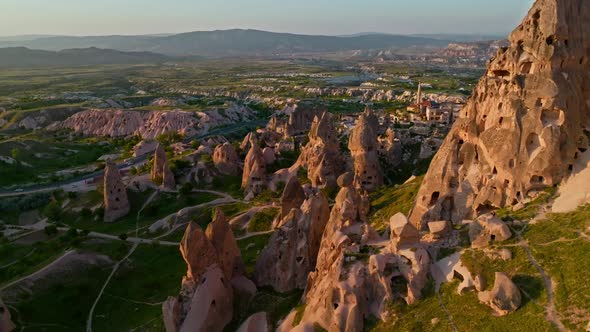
(551, 313)
(444, 308)
(247, 236)
(104, 286)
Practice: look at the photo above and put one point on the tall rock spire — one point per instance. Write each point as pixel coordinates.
(524, 124)
(116, 202)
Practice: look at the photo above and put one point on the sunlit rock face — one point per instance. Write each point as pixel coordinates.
(321, 155)
(524, 125)
(364, 148)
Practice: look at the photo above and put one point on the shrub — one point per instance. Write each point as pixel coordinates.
(50, 230)
(123, 237)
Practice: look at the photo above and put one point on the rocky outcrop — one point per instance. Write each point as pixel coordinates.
(301, 118)
(151, 124)
(116, 202)
(504, 297)
(524, 125)
(321, 155)
(291, 254)
(226, 159)
(345, 288)
(254, 179)
(269, 156)
(390, 148)
(223, 240)
(363, 146)
(161, 173)
(6, 324)
(486, 230)
(213, 282)
(255, 323)
(403, 233)
(292, 198)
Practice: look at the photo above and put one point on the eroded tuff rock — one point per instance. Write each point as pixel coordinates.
(321, 155)
(254, 179)
(301, 118)
(226, 159)
(344, 290)
(214, 277)
(292, 251)
(293, 196)
(390, 148)
(116, 202)
(487, 229)
(6, 324)
(504, 298)
(222, 238)
(524, 125)
(160, 171)
(255, 323)
(363, 146)
(403, 233)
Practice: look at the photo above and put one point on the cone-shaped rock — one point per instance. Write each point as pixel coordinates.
(321, 155)
(222, 238)
(293, 196)
(160, 171)
(523, 127)
(363, 146)
(116, 202)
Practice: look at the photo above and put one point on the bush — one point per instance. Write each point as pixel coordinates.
(50, 230)
(262, 221)
(123, 237)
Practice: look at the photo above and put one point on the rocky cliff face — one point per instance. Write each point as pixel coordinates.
(292, 198)
(301, 119)
(291, 254)
(226, 159)
(321, 155)
(160, 171)
(214, 277)
(116, 202)
(363, 146)
(150, 124)
(525, 123)
(6, 324)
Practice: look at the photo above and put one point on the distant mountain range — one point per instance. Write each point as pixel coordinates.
(24, 57)
(229, 43)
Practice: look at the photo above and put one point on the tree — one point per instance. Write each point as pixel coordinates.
(52, 211)
(123, 237)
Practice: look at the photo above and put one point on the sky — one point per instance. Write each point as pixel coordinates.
(330, 17)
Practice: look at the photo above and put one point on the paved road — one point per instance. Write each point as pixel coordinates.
(127, 164)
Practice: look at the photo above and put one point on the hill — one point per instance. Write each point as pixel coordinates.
(24, 57)
(235, 42)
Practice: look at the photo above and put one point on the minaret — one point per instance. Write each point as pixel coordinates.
(419, 95)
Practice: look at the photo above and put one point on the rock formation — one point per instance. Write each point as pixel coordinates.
(226, 159)
(151, 124)
(269, 156)
(292, 251)
(504, 298)
(116, 202)
(364, 149)
(390, 148)
(6, 324)
(403, 233)
(214, 277)
(255, 323)
(223, 240)
(254, 179)
(321, 155)
(293, 196)
(487, 229)
(160, 171)
(301, 119)
(346, 288)
(524, 125)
